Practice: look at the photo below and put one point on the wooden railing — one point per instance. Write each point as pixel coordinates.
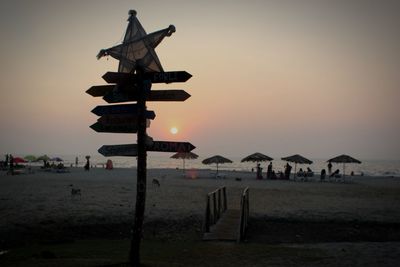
(244, 214)
(216, 205)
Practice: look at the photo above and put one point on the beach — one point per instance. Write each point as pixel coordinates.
(362, 212)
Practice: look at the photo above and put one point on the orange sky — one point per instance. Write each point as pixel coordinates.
(278, 77)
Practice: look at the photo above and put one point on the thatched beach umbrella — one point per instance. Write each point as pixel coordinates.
(257, 157)
(297, 159)
(344, 159)
(184, 156)
(216, 159)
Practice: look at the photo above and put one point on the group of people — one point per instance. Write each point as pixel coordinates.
(285, 175)
(271, 174)
(8, 163)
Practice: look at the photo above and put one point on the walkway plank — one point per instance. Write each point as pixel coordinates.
(227, 227)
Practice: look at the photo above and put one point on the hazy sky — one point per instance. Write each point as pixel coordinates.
(319, 78)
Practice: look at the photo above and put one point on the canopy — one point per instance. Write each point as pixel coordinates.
(30, 158)
(257, 157)
(344, 159)
(137, 49)
(19, 160)
(184, 155)
(297, 159)
(217, 160)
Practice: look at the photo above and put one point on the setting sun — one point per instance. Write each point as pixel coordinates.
(174, 130)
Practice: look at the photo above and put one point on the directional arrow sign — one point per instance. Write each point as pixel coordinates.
(100, 90)
(154, 77)
(129, 150)
(120, 119)
(167, 146)
(101, 128)
(121, 109)
(154, 95)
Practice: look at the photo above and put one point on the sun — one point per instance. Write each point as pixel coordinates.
(174, 130)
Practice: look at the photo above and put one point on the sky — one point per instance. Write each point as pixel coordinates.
(318, 78)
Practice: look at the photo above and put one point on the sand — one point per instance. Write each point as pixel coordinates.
(42, 200)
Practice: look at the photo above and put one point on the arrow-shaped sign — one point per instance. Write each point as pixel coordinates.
(167, 146)
(121, 109)
(154, 77)
(120, 119)
(129, 150)
(154, 95)
(101, 128)
(99, 90)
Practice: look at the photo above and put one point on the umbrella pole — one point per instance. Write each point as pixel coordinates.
(295, 172)
(217, 170)
(184, 165)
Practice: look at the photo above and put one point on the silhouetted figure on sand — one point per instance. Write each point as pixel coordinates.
(288, 169)
(269, 170)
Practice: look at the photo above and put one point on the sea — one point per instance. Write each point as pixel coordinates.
(163, 160)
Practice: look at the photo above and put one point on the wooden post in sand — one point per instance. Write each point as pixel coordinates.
(134, 254)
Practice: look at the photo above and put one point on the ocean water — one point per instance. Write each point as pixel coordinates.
(163, 160)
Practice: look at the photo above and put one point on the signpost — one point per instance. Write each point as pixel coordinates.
(132, 83)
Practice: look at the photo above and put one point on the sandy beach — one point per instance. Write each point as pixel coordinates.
(330, 215)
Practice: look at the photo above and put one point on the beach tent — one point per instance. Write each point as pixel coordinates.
(217, 160)
(184, 156)
(297, 159)
(344, 159)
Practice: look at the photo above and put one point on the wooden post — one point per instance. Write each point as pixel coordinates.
(225, 200)
(219, 203)
(215, 207)
(134, 255)
(207, 216)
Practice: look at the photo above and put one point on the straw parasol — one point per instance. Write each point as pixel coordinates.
(297, 159)
(344, 159)
(216, 159)
(184, 155)
(257, 157)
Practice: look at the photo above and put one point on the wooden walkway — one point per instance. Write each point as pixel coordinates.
(225, 224)
(227, 227)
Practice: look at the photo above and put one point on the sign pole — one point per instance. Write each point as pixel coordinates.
(137, 229)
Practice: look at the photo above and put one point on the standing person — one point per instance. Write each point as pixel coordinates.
(76, 161)
(259, 172)
(288, 169)
(323, 174)
(11, 159)
(87, 165)
(6, 163)
(329, 168)
(269, 170)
